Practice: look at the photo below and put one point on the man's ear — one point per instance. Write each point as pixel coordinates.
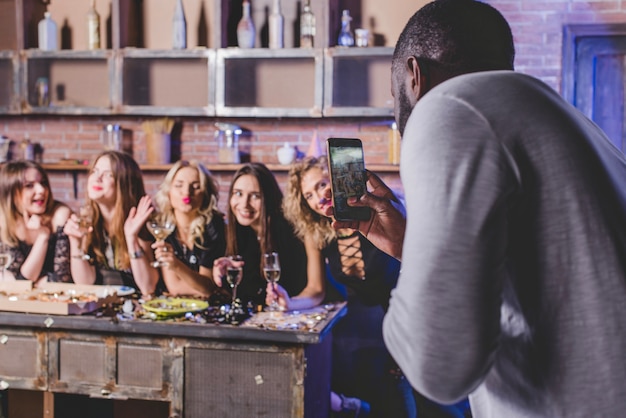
(417, 78)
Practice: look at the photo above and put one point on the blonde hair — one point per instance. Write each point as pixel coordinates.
(12, 183)
(210, 194)
(306, 221)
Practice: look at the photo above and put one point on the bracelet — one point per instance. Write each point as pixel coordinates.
(137, 254)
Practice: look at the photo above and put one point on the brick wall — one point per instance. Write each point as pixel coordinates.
(537, 27)
(79, 138)
(538, 30)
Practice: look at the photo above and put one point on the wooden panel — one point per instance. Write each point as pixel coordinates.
(23, 352)
(166, 82)
(82, 361)
(199, 15)
(232, 383)
(362, 82)
(8, 28)
(25, 404)
(139, 366)
(72, 82)
(270, 82)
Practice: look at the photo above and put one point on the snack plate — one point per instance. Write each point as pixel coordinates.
(174, 306)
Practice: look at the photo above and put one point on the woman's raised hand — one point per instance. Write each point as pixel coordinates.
(138, 216)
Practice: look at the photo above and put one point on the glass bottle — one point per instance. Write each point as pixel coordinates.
(246, 34)
(93, 27)
(394, 144)
(307, 26)
(276, 26)
(47, 30)
(345, 36)
(179, 27)
(27, 148)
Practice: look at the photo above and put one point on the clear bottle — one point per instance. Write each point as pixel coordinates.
(276, 26)
(346, 38)
(179, 27)
(47, 30)
(93, 27)
(307, 26)
(246, 34)
(42, 92)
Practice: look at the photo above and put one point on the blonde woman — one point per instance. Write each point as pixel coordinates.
(188, 196)
(118, 244)
(363, 369)
(31, 224)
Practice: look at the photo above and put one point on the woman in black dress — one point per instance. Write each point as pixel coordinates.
(188, 196)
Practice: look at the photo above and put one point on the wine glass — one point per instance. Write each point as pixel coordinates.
(233, 278)
(271, 269)
(160, 228)
(5, 257)
(85, 221)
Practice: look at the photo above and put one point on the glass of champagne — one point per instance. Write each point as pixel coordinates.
(5, 257)
(85, 221)
(271, 269)
(233, 278)
(160, 228)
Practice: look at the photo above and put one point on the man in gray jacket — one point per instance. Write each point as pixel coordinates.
(513, 282)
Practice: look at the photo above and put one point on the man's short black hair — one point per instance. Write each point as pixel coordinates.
(461, 36)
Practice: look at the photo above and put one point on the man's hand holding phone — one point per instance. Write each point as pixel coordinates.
(386, 225)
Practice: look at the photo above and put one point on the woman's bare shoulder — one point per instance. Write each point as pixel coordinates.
(60, 214)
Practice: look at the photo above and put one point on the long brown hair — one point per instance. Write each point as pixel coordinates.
(129, 189)
(12, 183)
(271, 212)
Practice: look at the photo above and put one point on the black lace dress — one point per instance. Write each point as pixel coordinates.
(56, 266)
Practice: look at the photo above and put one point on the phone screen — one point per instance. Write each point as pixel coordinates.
(347, 174)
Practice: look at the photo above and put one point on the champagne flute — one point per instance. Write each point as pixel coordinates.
(271, 269)
(85, 221)
(233, 275)
(5, 257)
(233, 278)
(160, 228)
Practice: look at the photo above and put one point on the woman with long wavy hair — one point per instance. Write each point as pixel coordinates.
(118, 245)
(31, 224)
(188, 197)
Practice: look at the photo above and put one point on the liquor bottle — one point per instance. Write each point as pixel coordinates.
(179, 27)
(93, 27)
(47, 30)
(276, 26)
(246, 34)
(345, 36)
(307, 26)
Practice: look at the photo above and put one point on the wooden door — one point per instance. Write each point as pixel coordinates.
(593, 75)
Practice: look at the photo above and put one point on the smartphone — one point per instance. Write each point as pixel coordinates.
(347, 177)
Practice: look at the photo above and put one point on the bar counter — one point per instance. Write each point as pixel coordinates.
(199, 369)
